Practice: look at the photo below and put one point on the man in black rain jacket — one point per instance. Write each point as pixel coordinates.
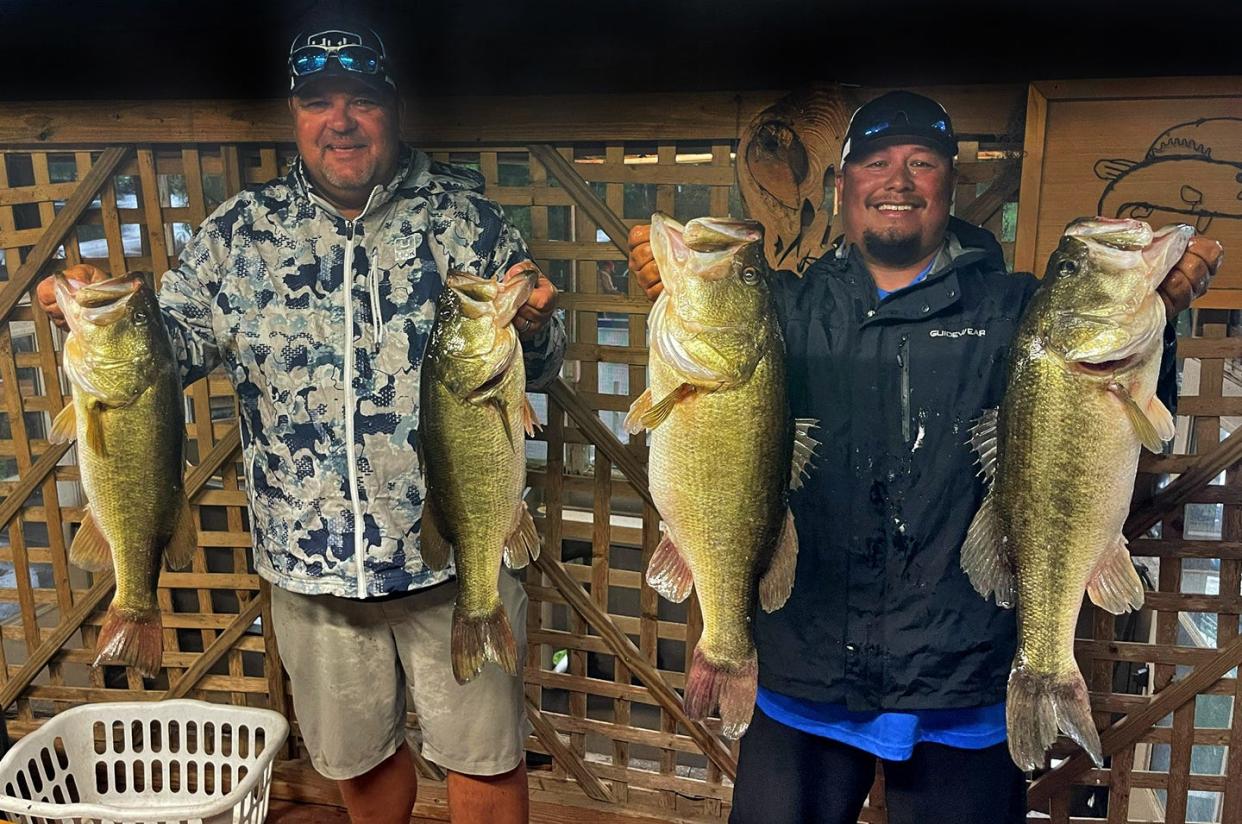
(897, 340)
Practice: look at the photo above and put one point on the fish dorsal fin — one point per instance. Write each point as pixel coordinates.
(803, 450)
(983, 441)
(1153, 423)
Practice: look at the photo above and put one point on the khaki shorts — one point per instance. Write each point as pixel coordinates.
(350, 663)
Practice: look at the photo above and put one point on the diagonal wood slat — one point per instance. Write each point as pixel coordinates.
(624, 649)
(582, 194)
(1129, 729)
(223, 643)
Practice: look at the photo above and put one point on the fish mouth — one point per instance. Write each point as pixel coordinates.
(96, 304)
(1103, 368)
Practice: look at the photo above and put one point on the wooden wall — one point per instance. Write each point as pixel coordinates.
(597, 633)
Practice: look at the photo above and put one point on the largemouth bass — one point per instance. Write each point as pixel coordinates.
(128, 418)
(723, 451)
(1061, 453)
(474, 414)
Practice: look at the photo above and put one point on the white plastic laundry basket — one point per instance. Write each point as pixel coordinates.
(137, 762)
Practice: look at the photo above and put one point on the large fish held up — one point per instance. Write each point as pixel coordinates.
(724, 450)
(473, 417)
(128, 418)
(1061, 455)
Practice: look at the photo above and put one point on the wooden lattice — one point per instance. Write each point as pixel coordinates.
(610, 732)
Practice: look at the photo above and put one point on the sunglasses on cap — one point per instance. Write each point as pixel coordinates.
(352, 58)
(884, 126)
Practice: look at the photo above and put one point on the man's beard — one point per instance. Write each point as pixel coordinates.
(351, 180)
(893, 251)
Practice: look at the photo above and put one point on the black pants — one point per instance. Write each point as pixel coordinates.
(786, 776)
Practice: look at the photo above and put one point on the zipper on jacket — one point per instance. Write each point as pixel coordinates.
(350, 449)
(903, 360)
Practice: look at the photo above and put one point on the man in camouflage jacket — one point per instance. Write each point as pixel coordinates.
(316, 292)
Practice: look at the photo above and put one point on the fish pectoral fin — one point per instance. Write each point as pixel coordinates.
(641, 405)
(90, 549)
(983, 441)
(502, 409)
(65, 426)
(1153, 425)
(777, 582)
(1115, 586)
(668, 573)
(433, 545)
(94, 428)
(522, 545)
(530, 418)
(984, 557)
(184, 539)
(658, 413)
(803, 450)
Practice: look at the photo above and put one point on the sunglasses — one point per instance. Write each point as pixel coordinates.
(884, 126)
(311, 59)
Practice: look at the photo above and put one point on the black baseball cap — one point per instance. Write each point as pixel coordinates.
(327, 47)
(900, 117)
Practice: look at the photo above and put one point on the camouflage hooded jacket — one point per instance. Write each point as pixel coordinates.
(326, 376)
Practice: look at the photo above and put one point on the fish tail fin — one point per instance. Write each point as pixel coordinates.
(522, 545)
(477, 639)
(1037, 705)
(732, 688)
(132, 637)
(90, 549)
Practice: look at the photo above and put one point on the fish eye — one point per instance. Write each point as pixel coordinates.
(750, 275)
(1067, 267)
(140, 316)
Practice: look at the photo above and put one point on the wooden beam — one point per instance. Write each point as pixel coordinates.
(583, 195)
(569, 759)
(82, 610)
(53, 235)
(624, 649)
(601, 436)
(1130, 729)
(461, 121)
(223, 643)
(980, 210)
(1225, 455)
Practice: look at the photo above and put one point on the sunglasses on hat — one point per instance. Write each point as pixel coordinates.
(353, 58)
